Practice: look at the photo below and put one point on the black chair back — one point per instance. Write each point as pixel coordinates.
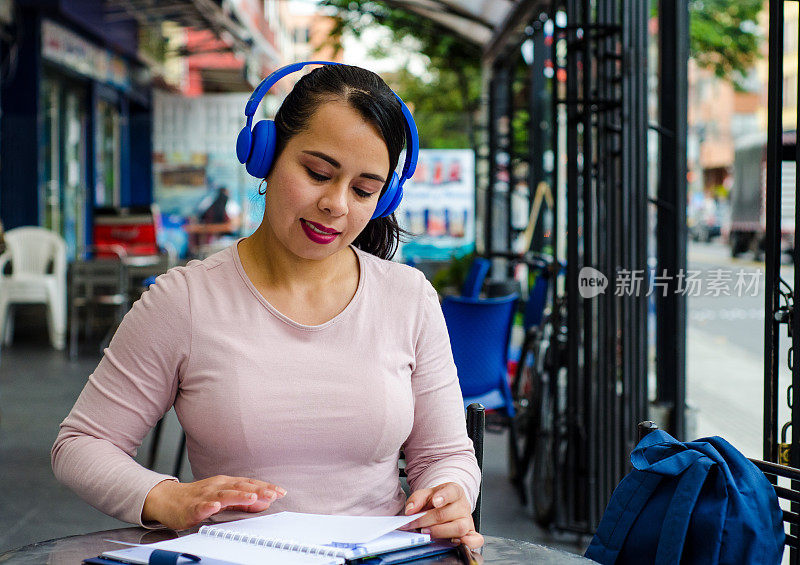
(476, 423)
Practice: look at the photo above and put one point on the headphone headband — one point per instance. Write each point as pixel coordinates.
(276, 75)
(412, 137)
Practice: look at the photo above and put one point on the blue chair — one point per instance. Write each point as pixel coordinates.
(475, 277)
(479, 332)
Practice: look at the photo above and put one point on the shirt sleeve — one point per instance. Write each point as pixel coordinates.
(130, 390)
(438, 449)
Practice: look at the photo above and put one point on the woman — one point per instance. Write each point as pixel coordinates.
(299, 361)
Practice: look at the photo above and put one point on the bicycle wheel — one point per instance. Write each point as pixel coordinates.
(545, 464)
(522, 391)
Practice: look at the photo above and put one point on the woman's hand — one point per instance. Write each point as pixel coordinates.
(449, 514)
(183, 505)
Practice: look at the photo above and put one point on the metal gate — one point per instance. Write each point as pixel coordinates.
(584, 96)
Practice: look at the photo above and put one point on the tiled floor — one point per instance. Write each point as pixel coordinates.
(38, 386)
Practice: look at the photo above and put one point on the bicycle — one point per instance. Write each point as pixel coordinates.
(530, 377)
(547, 426)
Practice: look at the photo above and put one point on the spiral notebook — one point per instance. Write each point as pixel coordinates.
(288, 538)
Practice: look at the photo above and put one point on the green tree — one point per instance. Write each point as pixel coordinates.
(446, 104)
(441, 118)
(724, 36)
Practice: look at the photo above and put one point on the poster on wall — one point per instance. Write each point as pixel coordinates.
(438, 206)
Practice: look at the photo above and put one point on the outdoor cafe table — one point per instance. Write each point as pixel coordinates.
(73, 549)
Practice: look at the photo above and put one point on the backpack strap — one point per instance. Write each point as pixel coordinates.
(679, 514)
(627, 502)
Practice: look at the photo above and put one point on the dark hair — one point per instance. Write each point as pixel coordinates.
(370, 96)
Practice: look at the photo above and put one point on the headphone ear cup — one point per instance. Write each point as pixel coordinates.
(243, 144)
(263, 149)
(384, 207)
(396, 201)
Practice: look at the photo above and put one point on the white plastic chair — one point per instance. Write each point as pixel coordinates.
(39, 276)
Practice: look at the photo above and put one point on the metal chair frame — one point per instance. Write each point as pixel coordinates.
(97, 282)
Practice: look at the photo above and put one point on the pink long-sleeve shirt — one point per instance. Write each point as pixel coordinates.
(321, 411)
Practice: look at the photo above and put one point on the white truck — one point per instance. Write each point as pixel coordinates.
(749, 194)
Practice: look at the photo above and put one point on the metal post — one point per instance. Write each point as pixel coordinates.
(671, 218)
(773, 229)
(608, 144)
(536, 126)
(573, 256)
(509, 149)
(488, 223)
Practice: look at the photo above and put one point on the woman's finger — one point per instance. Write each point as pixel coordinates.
(441, 515)
(418, 500)
(473, 540)
(458, 528)
(260, 487)
(280, 491)
(446, 493)
(262, 492)
(231, 497)
(200, 512)
(257, 506)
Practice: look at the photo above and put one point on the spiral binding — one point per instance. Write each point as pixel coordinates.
(276, 543)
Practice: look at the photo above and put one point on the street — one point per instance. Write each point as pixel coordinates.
(725, 349)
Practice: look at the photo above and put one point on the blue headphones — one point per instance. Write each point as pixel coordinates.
(255, 147)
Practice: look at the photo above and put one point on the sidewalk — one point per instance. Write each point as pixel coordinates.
(725, 385)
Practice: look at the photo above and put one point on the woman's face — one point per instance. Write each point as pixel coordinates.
(325, 185)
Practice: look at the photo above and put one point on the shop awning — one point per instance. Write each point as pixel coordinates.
(488, 23)
(218, 37)
(475, 20)
(196, 14)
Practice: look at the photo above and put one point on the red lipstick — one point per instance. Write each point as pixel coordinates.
(318, 233)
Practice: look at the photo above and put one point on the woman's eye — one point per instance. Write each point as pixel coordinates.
(362, 193)
(315, 175)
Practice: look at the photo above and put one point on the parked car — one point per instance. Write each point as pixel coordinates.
(704, 220)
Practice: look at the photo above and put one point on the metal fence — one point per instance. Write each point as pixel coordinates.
(583, 100)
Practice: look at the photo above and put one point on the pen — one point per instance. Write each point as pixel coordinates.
(465, 555)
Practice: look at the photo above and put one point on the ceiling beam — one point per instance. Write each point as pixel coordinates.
(515, 21)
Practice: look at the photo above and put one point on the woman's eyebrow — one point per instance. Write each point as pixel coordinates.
(338, 165)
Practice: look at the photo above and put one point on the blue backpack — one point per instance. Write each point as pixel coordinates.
(695, 502)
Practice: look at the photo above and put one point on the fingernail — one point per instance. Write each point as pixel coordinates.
(281, 491)
(409, 507)
(252, 496)
(437, 500)
(425, 530)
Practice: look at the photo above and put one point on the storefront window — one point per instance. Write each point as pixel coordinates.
(107, 156)
(63, 161)
(50, 169)
(74, 186)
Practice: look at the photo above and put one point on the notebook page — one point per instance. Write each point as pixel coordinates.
(227, 551)
(319, 529)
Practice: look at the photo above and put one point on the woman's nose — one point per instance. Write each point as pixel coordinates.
(334, 200)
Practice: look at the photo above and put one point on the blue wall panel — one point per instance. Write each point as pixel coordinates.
(19, 152)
